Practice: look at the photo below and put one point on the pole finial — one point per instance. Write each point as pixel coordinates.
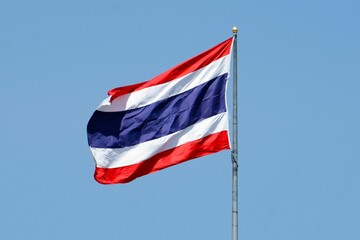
(235, 30)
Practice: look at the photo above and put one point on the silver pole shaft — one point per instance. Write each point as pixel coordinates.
(234, 152)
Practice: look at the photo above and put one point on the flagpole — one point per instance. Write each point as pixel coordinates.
(234, 152)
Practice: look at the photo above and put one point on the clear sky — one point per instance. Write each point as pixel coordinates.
(299, 115)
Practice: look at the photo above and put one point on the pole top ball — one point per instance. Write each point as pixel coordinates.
(235, 30)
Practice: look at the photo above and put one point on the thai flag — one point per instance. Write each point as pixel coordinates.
(175, 117)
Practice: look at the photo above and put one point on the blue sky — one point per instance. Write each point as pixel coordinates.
(299, 134)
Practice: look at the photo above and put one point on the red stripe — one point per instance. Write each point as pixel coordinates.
(179, 70)
(213, 143)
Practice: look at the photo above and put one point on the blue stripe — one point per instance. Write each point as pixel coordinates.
(131, 127)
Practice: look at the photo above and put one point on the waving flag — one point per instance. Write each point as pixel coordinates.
(175, 117)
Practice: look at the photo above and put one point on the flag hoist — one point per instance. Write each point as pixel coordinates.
(174, 117)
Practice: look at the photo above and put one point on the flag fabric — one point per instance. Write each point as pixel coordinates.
(177, 116)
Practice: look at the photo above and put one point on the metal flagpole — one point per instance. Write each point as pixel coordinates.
(234, 152)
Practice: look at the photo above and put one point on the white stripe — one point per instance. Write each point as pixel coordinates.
(119, 157)
(153, 94)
